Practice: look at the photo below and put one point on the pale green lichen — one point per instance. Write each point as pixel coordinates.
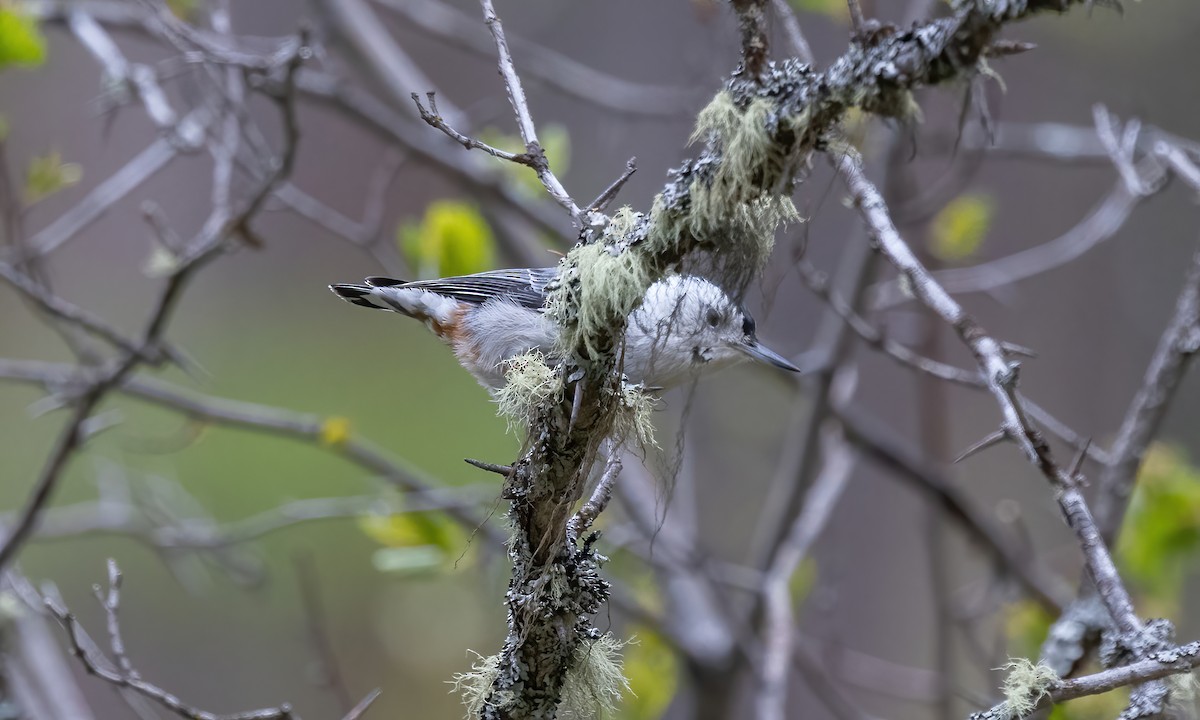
(1182, 690)
(474, 686)
(598, 287)
(595, 683)
(734, 210)
(634, 418)
(1025, 685)
(529, 383)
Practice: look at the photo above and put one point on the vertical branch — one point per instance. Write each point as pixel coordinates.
(516, 96)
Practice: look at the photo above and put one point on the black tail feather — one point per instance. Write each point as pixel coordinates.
(358, 294)
(380, 281)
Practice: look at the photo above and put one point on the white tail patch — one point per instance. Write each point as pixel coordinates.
(420, 304)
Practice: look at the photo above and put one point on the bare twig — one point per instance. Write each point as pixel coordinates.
(610, 192)
(318, 632)
(791, 28)
(1176, 348)
(1160, 664)
(600, 496)
(516, 96)
(553, 69)
(262, 418)
(133, 681)
(363, 705)
(1001, 377)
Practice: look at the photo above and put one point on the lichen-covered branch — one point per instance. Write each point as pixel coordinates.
(725, 204)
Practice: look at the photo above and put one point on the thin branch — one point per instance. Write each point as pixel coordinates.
(553, 69)
(610, 192)
(516, 96)
(72, 314)
(318, 632)
(883, 445)
(133, 681)
(303, 427)
(1161, 664)
(434, 119)
(791, 29)
(1001, 377)
(599, 498)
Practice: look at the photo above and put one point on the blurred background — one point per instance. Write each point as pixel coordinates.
(901, 611)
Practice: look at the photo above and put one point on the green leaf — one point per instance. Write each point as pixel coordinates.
(652, 671)
(959, 229)
(47, 174)
(836, 9)
(411, 529)
(803, 580)
(20, 41)
(183, 9)
(1161, 533)
(452, 239)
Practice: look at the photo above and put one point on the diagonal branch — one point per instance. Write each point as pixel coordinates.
(1001, 378)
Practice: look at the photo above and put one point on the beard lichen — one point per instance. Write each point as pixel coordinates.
(529, 383)
(598, 285)
(635, 416)
(732, 206)
(595, 683)
(474, 686)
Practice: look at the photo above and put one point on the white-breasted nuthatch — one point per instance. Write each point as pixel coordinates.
(686, 325)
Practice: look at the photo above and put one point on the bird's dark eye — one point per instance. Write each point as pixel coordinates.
(748, 326)
(713, 318)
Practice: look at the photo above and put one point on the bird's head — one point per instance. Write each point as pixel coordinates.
(692, 325)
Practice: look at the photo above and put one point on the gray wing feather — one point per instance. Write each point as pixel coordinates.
(524, 286)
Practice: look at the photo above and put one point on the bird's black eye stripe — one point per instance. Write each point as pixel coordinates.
(713, 318)
(748, 326)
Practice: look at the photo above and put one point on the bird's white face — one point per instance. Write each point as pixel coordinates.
(688, 325)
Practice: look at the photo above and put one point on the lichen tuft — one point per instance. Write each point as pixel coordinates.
(635, 416)
(1025, 685)
(474, 686)
(598, 286)
(529, 382)
(595, 683)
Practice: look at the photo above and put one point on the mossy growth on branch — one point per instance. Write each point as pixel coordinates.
(1025, 685)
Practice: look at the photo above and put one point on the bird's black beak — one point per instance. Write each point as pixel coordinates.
(762, 353)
